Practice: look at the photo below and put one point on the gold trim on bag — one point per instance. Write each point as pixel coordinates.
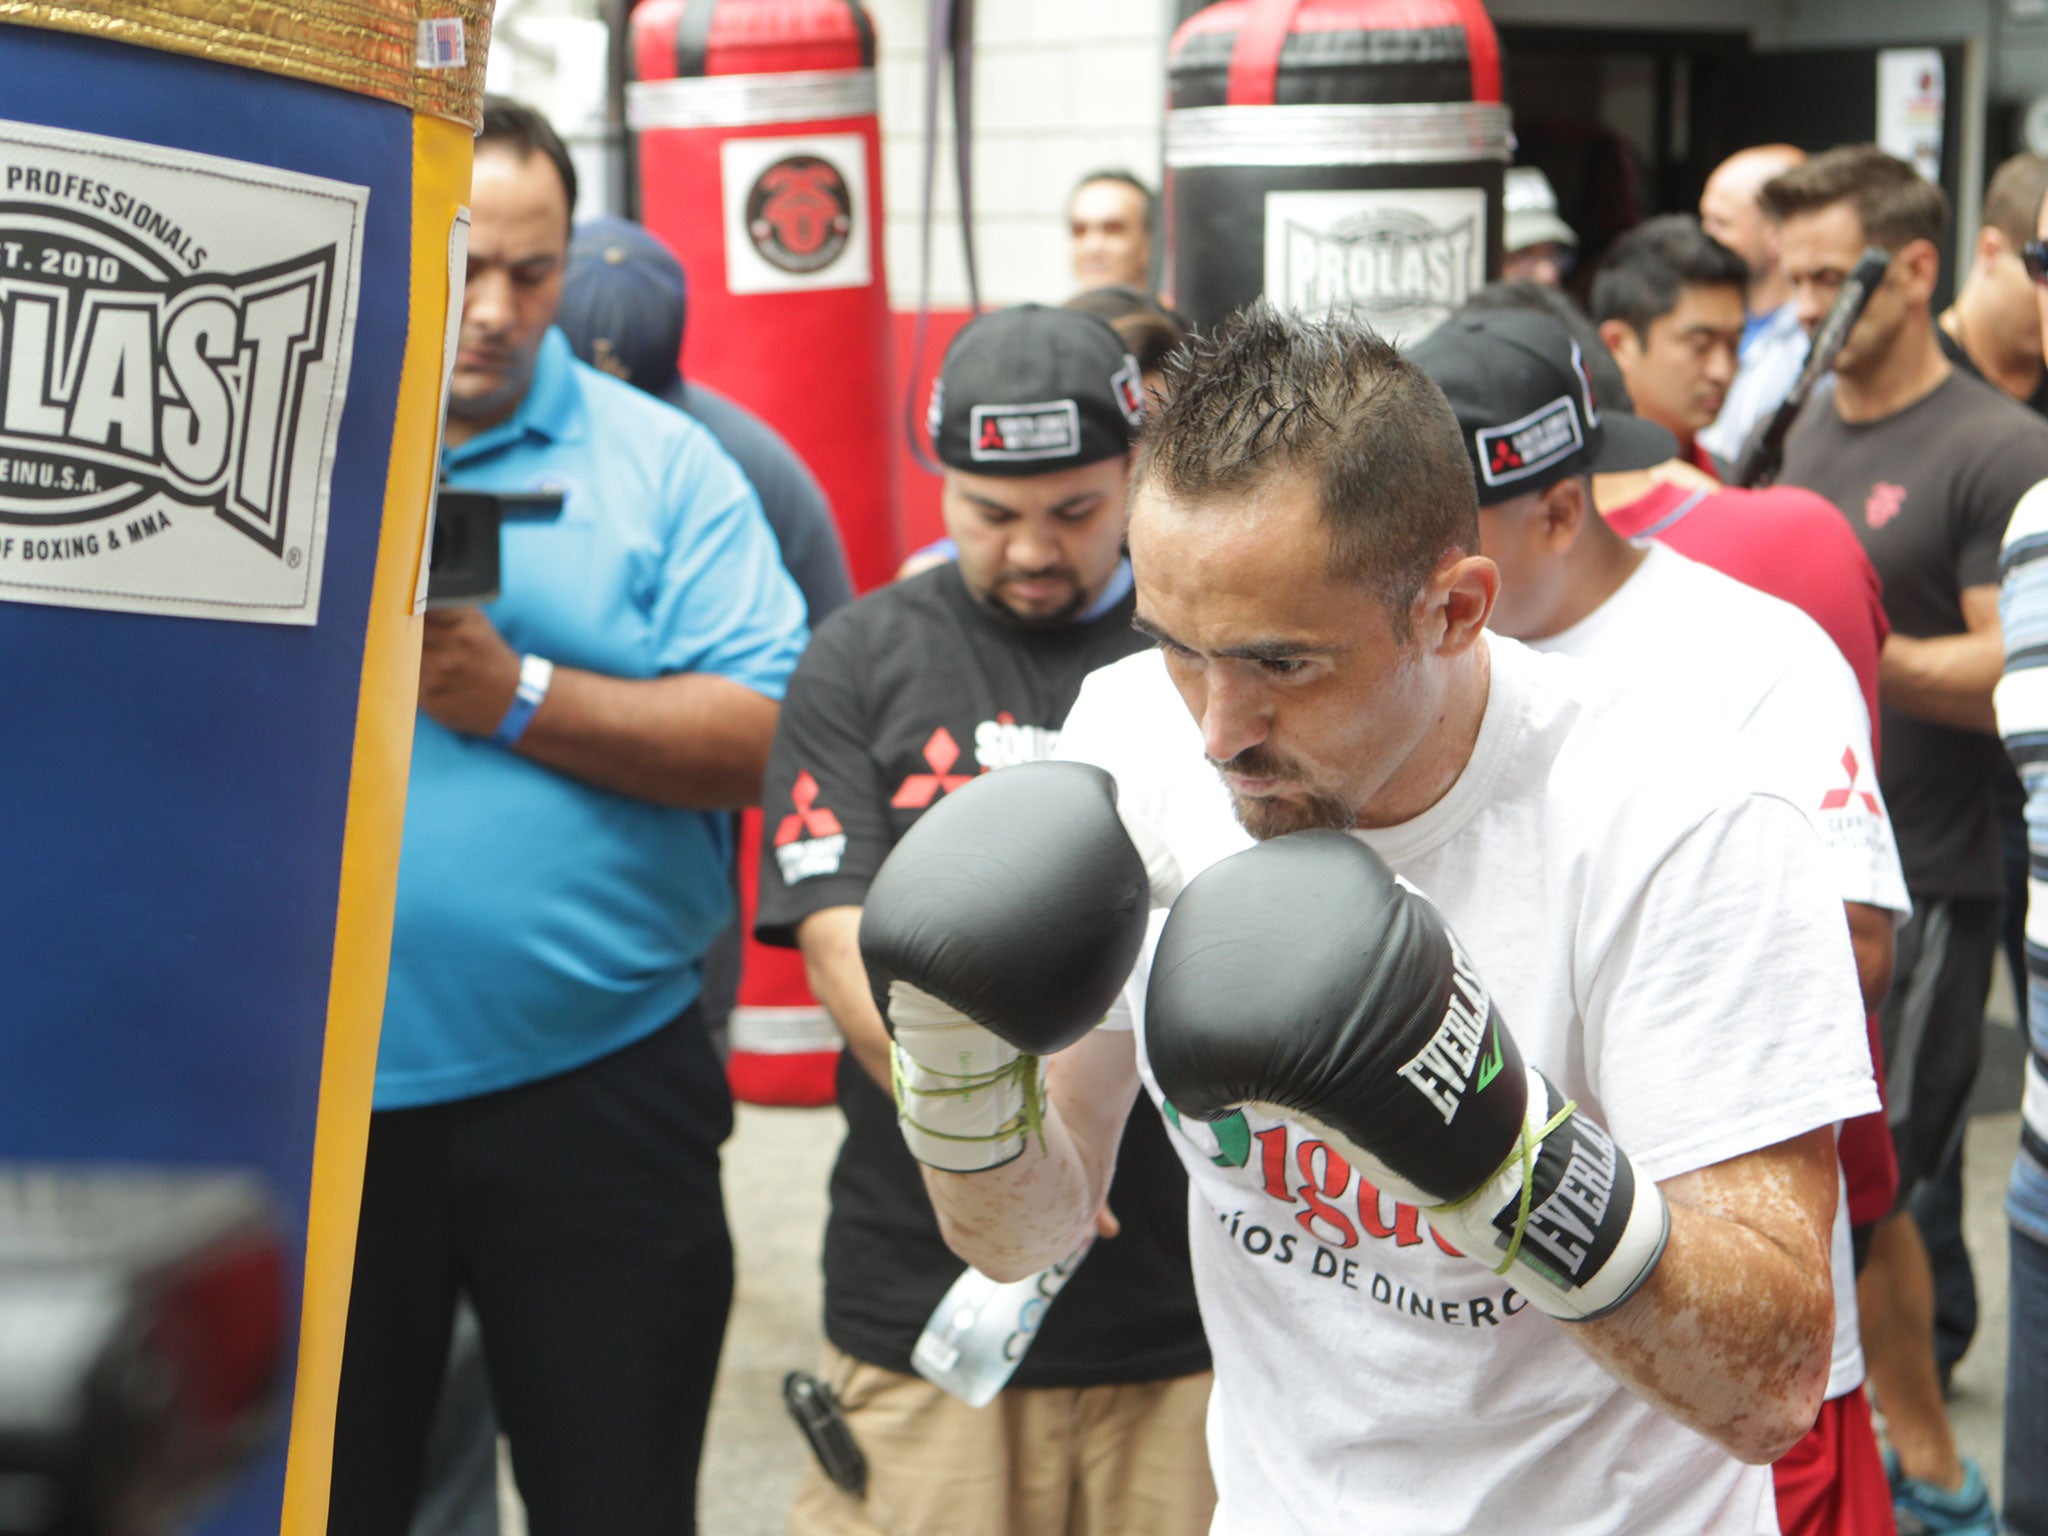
(402, 51)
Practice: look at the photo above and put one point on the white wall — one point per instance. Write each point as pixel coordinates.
(1061, 88)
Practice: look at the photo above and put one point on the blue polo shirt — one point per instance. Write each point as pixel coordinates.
(542, 922)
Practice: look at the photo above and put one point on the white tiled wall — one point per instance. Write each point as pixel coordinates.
(1061, 88)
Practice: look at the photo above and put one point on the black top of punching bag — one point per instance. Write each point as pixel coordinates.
(758, 28)
(1349, 51)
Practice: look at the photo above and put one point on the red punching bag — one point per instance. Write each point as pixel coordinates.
(760, 167)
(1338, 155)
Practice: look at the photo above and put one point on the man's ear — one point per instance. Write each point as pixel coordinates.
(1563, 509)
(1622, 340)
(1918, 265)
(1462, 590)
(1992, 244)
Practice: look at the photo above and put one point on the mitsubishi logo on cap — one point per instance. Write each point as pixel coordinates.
(1547, 436)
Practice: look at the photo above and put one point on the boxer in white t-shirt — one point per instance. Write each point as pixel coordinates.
(1661, 942)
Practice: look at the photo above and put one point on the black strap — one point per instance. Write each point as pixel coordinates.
(866, 29)
(951, 38)
(693, 37)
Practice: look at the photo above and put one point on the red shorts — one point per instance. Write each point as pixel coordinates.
(1869, 1162)
(1832, 1482)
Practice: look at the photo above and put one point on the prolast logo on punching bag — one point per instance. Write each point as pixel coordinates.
(1400, 261)
(796, 212)
(174, 346)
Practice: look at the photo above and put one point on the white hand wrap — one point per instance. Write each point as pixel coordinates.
(966, 1100)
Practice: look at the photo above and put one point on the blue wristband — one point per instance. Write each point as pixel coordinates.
(535, 673)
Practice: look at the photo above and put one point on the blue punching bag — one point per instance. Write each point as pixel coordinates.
(231, 235)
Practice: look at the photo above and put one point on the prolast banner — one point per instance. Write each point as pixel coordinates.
(175, 336)
(1400, 259)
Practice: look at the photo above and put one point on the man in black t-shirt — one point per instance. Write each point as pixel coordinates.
(902, 698)
(1926, 463)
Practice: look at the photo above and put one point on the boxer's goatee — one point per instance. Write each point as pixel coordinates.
(1268, 816)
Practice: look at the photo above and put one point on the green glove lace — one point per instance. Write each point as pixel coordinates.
(1530, 1144)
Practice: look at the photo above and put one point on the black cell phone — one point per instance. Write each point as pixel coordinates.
(818, 1415)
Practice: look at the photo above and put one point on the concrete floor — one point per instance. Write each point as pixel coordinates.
(775, 1173)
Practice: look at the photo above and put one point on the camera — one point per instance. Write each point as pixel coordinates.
(463, 565)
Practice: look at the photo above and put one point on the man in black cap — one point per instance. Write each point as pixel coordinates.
(1744, 662)
(902, 698)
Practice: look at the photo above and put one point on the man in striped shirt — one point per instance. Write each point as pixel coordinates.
(2022, 703)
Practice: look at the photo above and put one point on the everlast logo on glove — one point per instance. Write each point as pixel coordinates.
(1047, 429)
(1443, 1068)
(174, 342)
(1578, 1175)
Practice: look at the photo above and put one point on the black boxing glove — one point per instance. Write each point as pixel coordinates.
(1301, 977)
(1000, 929)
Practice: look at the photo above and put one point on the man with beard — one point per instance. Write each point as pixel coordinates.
(1399, 1343)
(902, 699)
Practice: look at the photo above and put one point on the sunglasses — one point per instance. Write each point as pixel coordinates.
(2034, 257)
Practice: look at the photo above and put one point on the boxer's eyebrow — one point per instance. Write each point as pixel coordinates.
(1251, 650)
(1153, 632)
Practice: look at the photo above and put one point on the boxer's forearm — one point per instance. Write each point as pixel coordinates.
(1034, 1210)
(1015, 1220)
(1732, 1333)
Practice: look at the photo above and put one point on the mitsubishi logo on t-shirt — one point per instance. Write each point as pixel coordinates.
(921, 789)
(1839, 799)
(801, 857)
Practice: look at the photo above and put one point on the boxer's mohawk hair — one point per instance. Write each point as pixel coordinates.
(1267, 394)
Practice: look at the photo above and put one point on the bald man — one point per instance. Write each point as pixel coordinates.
(1773, 343)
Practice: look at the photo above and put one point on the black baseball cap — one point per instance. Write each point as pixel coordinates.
(1031, 390)
(625, 303)
(1520, 386)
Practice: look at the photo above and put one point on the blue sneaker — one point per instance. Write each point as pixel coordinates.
(1925, 1510)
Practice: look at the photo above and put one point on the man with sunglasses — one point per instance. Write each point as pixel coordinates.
(1927, 463)
(1993, 329)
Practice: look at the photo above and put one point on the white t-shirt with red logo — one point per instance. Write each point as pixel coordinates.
(1653, 935)
(1770, 676)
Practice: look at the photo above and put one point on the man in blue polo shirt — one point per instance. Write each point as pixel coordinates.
(548, 1108)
